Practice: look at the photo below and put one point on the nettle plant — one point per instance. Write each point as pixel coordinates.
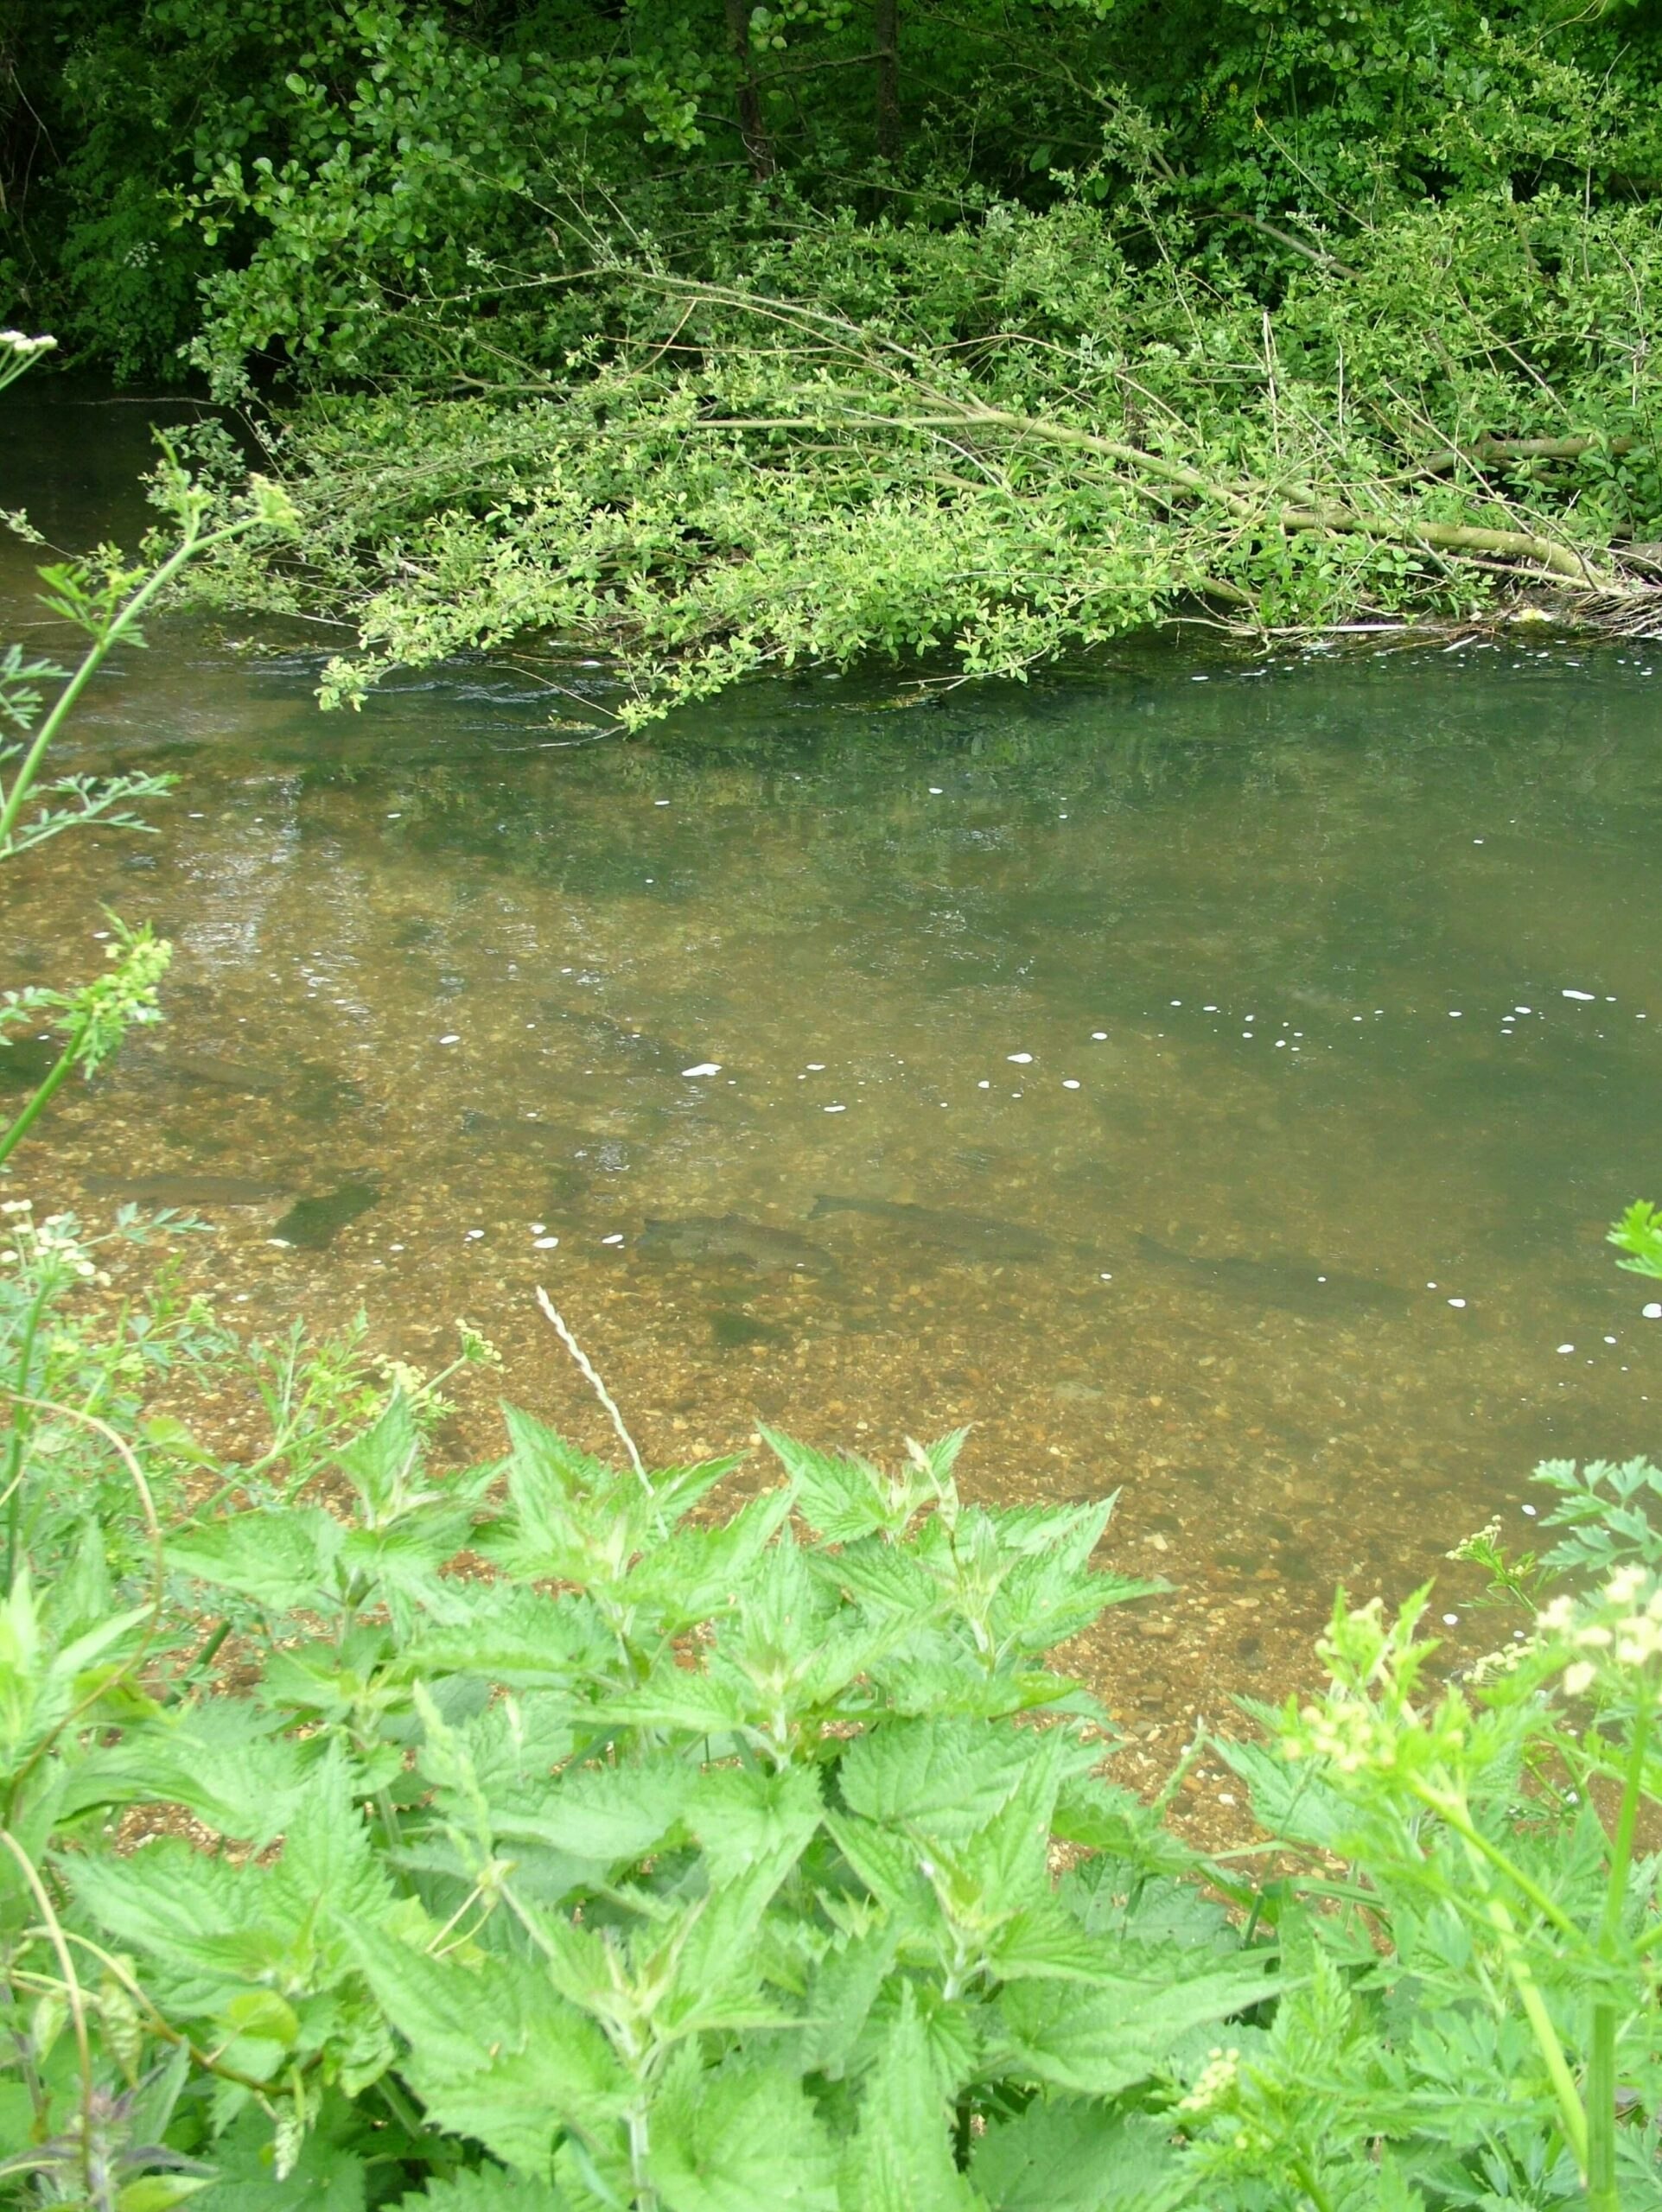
(577, 1843)
(563, 1836)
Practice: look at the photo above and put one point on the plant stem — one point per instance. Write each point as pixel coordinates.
(120, 622)
(11, 1137)
(1547, 2040)
(20, 1415)
(1451, 1810)
(1601, 2055)
(204, 1659)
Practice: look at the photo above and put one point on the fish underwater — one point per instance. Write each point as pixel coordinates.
(184, 1189)
(641, 1054)
(971, 1236)
(1293, 1285)
(730, 1236)
(1296, 1285)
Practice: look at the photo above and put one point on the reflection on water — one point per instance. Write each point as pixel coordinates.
(1210, 1081)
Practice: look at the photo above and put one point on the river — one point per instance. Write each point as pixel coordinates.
(1292, 1024)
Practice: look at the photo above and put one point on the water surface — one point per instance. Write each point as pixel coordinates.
(1287, 1033)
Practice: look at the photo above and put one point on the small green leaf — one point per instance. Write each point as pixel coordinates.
(739, 2139)
(901, 2158)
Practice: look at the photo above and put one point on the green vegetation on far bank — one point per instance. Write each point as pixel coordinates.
(707, 339)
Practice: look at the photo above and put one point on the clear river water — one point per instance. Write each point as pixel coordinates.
(1221, 1070)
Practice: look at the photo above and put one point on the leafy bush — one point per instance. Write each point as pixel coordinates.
(565, 1837)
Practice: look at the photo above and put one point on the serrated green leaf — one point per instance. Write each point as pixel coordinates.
(605, 1814)
(901, 2158)
(887, 1864)
(1289, 1799)
(842, 1498)
(161, 2192)
(283, 1560)
(1097, 2042)
(738, 2139)
(1063, 2156)
(1043, 1942)
(1105, 1818)
(222, 1760)
(946, 1777)
(495, 2052)
(746, 1818)
(841, 1993)
(329, 2173)
(379, 1463)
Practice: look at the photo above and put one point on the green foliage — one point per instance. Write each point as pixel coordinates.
(705, 1856)
(708, 341)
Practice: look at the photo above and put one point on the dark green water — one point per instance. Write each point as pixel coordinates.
(1206, 979)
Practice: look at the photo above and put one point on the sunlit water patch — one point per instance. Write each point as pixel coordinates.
(1215, 1089)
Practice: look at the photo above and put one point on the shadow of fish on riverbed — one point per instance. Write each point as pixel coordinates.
(631, 1052)
(1295, 1286)
(310, 1224)
(945, 1229)
(757, 1245)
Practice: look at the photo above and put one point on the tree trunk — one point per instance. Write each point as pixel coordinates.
(886, 39)
(752, 127)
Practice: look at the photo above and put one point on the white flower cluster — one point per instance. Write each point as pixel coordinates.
(1623, 1622)
(51, 1242)
(15, 342)
(1215, 2083)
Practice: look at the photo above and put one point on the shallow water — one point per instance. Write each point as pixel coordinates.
(1293, 1025)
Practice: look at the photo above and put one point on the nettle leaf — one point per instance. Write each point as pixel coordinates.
(715, 1981)
(747, 1819)
(883, 1577)
(175, 1906)
(1063, 2156)
(936, 1677)
(946, 1777)
(284, 1559)
(742, 2139)
(698, 1573)
(514, 1747)
(890, 1865)
(841, 1993)
(511, 1634)
(1122, 1904)
(1097, 2042)
(328, 1863)
(495, 2052)
(281, 1922)
(329, 2173)
(674, 1697)
(901, 2158)
(607, 1813)
(1007, 1858)
(41, 1680)
(1041, 1943)
(402, 1564)
(575, 1519)
(842, 1498)
(1066, 1533)
(1105, 1818)
(1043, 1601)
(379, 1463)
(222, 1760)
